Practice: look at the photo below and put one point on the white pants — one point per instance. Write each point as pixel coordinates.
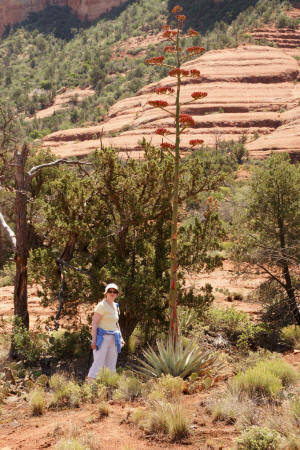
(106, 356)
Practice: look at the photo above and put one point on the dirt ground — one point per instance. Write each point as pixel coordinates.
(19, 430)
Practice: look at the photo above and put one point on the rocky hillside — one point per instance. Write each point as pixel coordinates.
(15, 11)
(252, 90)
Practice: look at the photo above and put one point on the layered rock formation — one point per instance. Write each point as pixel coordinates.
(15, 11)
(252, 91)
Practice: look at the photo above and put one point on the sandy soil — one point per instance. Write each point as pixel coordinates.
(19, 430)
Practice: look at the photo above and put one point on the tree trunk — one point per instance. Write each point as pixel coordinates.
(286, 273)
(294, 308)
(21, 255)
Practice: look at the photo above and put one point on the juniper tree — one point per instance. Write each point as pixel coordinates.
(267, 231)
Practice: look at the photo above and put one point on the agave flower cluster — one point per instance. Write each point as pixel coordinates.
(174, 37)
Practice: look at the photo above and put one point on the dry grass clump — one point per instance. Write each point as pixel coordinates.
(295, 410)
(72, 438)
(168, 418)
(103, 410)
(37, 402)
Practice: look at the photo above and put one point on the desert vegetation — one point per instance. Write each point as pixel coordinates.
(69, 226)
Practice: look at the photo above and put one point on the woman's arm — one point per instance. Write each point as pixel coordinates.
(96, 319)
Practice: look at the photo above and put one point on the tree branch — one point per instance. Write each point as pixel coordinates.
(34, 171)
(11, 234)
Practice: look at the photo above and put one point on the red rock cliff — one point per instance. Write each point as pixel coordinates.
(14, 11)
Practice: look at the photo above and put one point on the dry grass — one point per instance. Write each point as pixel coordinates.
(168, 418)
(103, 410)
(37, 402)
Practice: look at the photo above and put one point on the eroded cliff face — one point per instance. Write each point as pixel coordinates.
(15, 11)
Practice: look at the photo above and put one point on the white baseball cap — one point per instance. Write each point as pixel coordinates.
(111, 286)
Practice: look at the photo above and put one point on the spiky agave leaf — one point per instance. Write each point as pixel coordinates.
(177, 361)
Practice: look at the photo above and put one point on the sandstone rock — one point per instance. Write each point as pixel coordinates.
(251, 91)
(14, 11)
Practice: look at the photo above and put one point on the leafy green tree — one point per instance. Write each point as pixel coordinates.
(268, 225)
(115, 225)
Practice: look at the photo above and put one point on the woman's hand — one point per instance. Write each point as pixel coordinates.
(93, 346)
(122, 342)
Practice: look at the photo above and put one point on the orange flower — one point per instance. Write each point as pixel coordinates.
(185, 73)
(158, 103)
(162, 131)
(194, 142)
(164, 90)
(198, 95)
(195, 73)
(195, 50)
(193, 32)
(176, 9)
(172, 49)
(156, 61)
(178, 72)
(167, 34)
(186, 120)
(167, 146)
(165, 27)
(181, 18)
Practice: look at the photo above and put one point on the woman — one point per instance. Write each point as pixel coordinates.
(107, 340)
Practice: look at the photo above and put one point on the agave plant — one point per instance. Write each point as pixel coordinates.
(177, 360)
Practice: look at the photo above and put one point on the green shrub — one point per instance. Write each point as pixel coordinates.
(68, 346)
(236, 326)
(129, 388)
(108, 378)
(7, 274)
(30, 346)
(170, 386)
(257, 438)
(258, 382)
(281, 369)
(291, 335)
(66, 393)
(37, 402)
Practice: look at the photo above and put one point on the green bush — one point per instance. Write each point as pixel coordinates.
(235, 325)
(258, 382)
(291, 335)
(281, 369)
(129, 388)
(29, 345)
(65, 345)
(257, 438)
(107, 378)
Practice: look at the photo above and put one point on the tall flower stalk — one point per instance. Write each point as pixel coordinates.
(175, 36)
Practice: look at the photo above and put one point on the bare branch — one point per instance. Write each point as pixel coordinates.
(34, 171)
(11, 234)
